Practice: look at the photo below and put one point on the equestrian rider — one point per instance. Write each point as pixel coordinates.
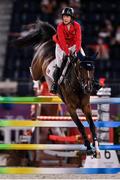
(68, 40)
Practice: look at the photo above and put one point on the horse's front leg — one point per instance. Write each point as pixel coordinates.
(87, 111)
(80, 126)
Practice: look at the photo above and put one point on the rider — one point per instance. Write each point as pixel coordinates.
(67, 39)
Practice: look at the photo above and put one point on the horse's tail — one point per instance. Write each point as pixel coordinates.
(30, 39)
(42, 32)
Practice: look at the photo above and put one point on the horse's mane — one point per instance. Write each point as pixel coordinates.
(41, 33)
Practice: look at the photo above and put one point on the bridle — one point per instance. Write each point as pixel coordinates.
(86, 83)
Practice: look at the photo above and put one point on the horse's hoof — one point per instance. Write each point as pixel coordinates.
(97, 155)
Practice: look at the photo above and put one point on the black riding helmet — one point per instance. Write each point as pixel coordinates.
(68, 11)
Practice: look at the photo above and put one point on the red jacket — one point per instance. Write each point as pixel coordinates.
(67, 38)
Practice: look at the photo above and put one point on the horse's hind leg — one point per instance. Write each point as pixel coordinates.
(80, 126)
(87, 111)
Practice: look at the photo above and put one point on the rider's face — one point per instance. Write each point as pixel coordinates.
(66, 19)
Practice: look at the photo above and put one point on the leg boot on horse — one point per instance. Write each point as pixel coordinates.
(56, 76)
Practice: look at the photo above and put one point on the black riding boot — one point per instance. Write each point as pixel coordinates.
(56, 76)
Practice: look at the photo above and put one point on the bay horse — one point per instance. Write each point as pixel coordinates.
(77, 86)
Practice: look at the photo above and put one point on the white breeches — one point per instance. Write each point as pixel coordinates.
(59, 53)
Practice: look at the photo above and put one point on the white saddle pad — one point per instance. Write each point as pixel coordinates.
(50, 69)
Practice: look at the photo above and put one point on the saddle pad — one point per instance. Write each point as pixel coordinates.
(50, 69)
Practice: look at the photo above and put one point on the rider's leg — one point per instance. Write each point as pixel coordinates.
(54, 86)
(56, 74)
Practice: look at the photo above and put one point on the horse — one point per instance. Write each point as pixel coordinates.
(77, 85)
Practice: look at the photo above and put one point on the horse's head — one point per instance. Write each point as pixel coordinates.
(85, 75)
